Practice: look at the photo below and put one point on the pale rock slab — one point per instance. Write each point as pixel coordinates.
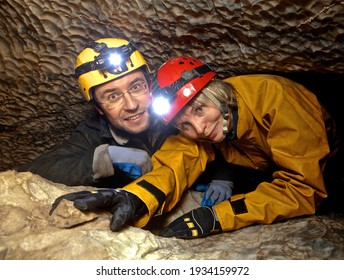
(27, 232)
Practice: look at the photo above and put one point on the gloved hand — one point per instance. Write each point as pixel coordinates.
(199, 222)
(123, 205)
(215, 192)
(134, 162)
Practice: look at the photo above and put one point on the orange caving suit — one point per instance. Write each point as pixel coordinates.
(281, 128)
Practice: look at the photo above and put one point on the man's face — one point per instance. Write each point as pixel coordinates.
(132, 114)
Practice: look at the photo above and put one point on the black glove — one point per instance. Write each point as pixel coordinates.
(123, 205)
(199, 222)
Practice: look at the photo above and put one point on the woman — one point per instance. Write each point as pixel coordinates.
(261, 122)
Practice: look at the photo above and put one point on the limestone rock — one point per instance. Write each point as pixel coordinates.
(41, 104)
(27, 231)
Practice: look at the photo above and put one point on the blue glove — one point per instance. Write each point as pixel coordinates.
(215, 192)
(134, 162)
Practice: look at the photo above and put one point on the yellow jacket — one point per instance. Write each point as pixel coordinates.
(281, 127)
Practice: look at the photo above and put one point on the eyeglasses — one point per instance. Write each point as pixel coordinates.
(114, 99)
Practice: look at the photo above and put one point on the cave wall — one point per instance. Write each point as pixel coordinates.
(40, 103)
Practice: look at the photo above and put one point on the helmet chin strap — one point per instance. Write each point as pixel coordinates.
(224, 111)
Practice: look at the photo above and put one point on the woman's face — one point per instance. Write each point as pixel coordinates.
(200, 121)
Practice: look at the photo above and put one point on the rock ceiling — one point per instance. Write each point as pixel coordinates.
(39, 100)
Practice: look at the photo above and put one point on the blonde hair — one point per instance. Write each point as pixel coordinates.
(223, 91)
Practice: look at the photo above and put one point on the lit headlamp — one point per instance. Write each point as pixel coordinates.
(164, 97)
(111, 60)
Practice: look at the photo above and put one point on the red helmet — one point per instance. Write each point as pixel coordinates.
(179, 79)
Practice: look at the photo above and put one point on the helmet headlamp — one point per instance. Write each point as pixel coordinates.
(104, 60)
(111, 60)
(164, 97)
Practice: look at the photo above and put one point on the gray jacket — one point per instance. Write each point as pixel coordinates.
(81, 159)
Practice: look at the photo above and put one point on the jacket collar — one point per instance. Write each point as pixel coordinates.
(119, 138)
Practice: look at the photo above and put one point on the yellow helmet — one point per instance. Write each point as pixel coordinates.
(105, 60)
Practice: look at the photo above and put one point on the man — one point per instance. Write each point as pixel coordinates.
(98, 150)
(114, 147)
